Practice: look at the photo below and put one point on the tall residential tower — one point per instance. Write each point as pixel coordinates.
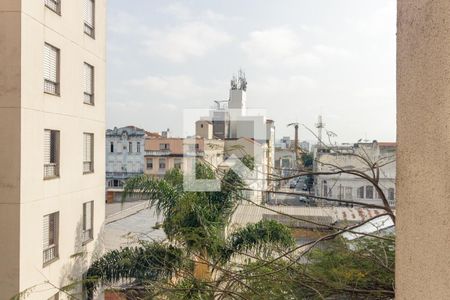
(52, 124)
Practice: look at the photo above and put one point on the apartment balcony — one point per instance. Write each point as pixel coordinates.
(158, 153)
(162, 153)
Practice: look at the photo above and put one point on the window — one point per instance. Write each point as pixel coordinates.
(88, 218)
(164, 146)
(178, 163)
(360, 192)
(130, 147)
(54, 5)
(111, 147)
(50, 237)
(391, 194)
(88, 153)
(89, 18)
(138, 147)
(325, 189)
(149, 163)
(51, 69)
(162, 163)
(51, 153)
(369, 192)
(348, 193)
(88, 84)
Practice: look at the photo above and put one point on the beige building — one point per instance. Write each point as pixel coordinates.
(163, 154)
(52, 114)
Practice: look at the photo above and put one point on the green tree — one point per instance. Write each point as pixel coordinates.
(193, 262)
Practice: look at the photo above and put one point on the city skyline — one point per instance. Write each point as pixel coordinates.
(184, 54)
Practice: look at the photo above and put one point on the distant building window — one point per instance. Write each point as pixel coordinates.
(348, 193)
(89, 18)
(149, 163)
(130, 147)
(50, 237)
(88, 84)
(164, 146)
(138, 147)
(88, 219)
(369, 192)
(162, 163)
(360, 192)
(88, 153)
(391, 194)
(54, 5)
(51, 153)
(178, 163)
(51, 69)
(111, 147)
(201, 125)
(325, 189)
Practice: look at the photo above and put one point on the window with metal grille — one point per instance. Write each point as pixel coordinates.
(369, 192)
(178, 163)
(50, 237)
(51, 69)
(88, 84)
(51, 153)
(89, 17)
(391, 194)
(88, 152)
(348, 193)
(360, 192)
(162, 163)
(149, 163)
(54, 5)
(88, 219)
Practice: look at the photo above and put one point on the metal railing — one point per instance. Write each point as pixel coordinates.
(88, 167)
(50, 254)
(51, 170)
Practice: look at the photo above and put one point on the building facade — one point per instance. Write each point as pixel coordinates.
(163, 154)
(354, 157)
(124, 154)
(52, 113)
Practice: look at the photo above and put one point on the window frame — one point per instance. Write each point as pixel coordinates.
(57, 4)
(86, 94)
(90, 231)
(47, 81)
(89, 29)
(89, 163)
(147, 160)
(54, 142)
(55, 245)
(369, 192)
(162, 161)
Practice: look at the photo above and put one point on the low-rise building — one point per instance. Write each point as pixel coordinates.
(355, 157)
(165, 153)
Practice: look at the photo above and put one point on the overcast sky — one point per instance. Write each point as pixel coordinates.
(302, 58)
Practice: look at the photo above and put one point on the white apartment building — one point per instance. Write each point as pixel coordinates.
(352, 157)
(52, 125)
(124, 154)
